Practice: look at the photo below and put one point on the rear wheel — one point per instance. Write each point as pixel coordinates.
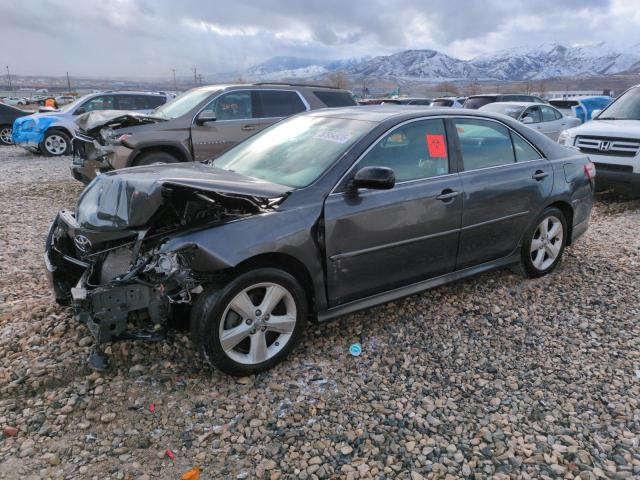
(252, 323)
(154, 158)
(545, 242)
(55, 144)
(5, 135)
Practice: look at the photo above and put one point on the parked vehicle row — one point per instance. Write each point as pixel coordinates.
(198, 125)
(612, 141)
(295, 223)
(51, 132)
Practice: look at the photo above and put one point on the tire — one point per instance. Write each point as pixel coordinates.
(5, 135)
(241, 305)
(55, 144)
(544, 243)
(154, 158)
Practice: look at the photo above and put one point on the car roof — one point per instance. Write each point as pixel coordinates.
(381, 113)
(520, 104)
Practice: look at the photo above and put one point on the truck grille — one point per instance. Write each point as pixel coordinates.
(618, 147)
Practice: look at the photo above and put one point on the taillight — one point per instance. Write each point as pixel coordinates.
(590, 171)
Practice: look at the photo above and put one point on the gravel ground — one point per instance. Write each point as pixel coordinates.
(495, 376)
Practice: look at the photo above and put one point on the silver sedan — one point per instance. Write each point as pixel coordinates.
(538, 116)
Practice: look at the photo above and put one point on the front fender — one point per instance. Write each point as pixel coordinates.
(290, 232)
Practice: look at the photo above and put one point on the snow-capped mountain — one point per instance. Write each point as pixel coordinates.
(521, 63)
(555, 60)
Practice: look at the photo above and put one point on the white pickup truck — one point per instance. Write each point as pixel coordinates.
(612, 141)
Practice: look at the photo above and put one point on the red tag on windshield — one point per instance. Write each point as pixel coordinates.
(437, 146)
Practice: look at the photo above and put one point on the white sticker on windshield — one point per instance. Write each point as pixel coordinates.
(333, 136)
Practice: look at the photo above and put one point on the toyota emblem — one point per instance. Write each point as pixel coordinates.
(83, 243)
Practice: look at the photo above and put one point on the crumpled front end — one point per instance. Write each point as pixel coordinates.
(28, 132)
(109, 260)
(89, 158)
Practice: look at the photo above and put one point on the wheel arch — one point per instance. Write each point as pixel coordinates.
(59, 128)
(566, 208)
(287, 263)
(177, 151)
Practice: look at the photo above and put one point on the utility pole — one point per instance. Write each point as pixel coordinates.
(195, 75)
(9, 77)
(175, 87)
(68, 83)
(199, 79)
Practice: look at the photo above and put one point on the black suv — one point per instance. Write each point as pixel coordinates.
(477, 101)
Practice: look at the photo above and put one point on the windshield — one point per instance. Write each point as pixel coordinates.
(477, 102)
(627, 107)
(504, 109)
(71, 106)
(294, 152)
(182, 104)
(442, 103)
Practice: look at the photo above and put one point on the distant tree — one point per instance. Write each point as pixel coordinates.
(473, 88)
(542, 87)
(447, 88)
(338, 80)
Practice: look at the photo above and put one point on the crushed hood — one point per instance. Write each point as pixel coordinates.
(130, 197)
(92, 122)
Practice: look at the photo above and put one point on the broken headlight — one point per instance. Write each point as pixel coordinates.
(111, 137)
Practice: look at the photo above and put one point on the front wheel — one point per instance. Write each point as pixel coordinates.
(252, 323)
(154, 158)
(544, 243)
(5, 135)
(55, 143)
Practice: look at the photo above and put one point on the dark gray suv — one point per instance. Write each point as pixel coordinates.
(197, 125)
(318, 216)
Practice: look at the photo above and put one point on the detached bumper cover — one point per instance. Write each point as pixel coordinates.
(106, 309)
(29, 132)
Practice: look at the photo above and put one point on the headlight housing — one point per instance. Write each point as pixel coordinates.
(110, 137)
(565, 138)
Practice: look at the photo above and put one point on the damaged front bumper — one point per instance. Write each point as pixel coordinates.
(90, 158)
(123, 308)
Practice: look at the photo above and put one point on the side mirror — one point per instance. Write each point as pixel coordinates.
(206, 117)
(527, 120)
(596, 112)
(80, 111)
(375, 178)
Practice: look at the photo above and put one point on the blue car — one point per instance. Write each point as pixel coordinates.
(581, 107)
(50, 132)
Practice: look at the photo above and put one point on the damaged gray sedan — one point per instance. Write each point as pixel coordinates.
(320, 215)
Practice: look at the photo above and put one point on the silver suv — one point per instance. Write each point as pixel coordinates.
(51, 132)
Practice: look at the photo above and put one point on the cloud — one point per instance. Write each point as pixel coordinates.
(138, 38)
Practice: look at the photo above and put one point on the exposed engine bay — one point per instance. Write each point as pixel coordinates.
(104, 259)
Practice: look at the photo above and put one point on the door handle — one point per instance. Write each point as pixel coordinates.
(447, 194)
(248, 128)
(540, 175)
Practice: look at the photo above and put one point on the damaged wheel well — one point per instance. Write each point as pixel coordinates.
(171, 150)
(284, 262)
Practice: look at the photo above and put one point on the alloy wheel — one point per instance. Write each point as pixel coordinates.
(55, 144)
(5, 135)
(258, 323)
(546, 243)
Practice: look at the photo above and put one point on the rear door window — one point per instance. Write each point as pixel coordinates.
(335, 99)
(126, 102)
(414, 151)
(148, 102)
(548, 114)
(524, 152)
(278, 103)
(484, 144)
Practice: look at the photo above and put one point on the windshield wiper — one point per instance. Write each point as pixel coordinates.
(613, 118)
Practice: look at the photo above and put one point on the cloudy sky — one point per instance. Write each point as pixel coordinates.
(139, 38)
